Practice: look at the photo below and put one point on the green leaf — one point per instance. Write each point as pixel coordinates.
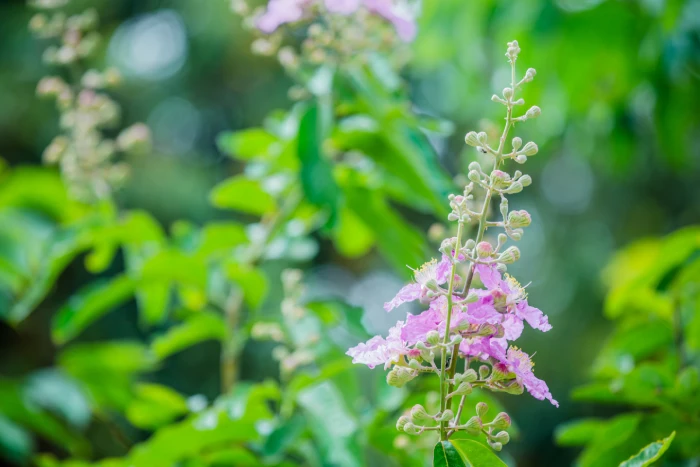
(153, 300)
(16, 444)
(89, 305)
(200, 327)
(446, 455)
(284, 436)
(578, 432)
(154, 406)
(476, 454)
(351, 236)
(54, 391)
(221, 237)
(242, 194)
(252, 281)
(611, 441)
(650, 453)
(248, 144)
(316, 171)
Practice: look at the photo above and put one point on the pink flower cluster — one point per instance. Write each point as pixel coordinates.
(281, 12)
(487, 323)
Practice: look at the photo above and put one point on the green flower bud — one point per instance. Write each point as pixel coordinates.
(508, 93)
(487, 329)
(500, 372)
(533, 112)
(463, 389)
(475, 166)
(504, 207)
(530, 74)
(502, 437)
(510, 256)
(514, 387)
(526, 180)
(518, 219)
(457, 339)
(500, 179)
(471, 139)
(517, 142)
(484, 371)
(411, 429)
(472, 297)
(530, 149)
(399, 376)
(484, 249)
(501, 422)
(474, 426)
(419, 414)
(520, 158)
(433, 337)
(470, 244)
(415, 364)
(473, 175)
(445, 416)
(401, 422)
(482, 138)
(496, 446)
(470, 376)
(481, 409)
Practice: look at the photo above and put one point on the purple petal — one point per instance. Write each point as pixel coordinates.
(343, 7)
(489, 275)
(408, 293)
(443, 270)
(417, 326)
(533, 316)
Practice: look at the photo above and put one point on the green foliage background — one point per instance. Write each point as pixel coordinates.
(619, 161)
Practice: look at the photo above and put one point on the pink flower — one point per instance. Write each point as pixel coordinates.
(429, 275)
(520, 363)
(403, 22)
(343, 7)
(280, 12)
(378, 350)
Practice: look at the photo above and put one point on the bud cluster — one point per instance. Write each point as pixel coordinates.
(334, 35)
(86, 158)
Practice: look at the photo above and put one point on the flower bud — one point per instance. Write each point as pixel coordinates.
(508, 93)
(526, 180)
(504, 207)
(518, 219)
(445, 416)
(515, 187)
(495, 98)
(401, 422)
(530, 149)
(502, 437)
(456, 339)
(433, 337)
(517, 142)
(500, 179)
(481, 409)
(502, 238)
(533, 112)
(514, 387)
(472, 297)
(516, 234)
(473, 175)
(411, 429)
(475, 166)
(482, 138)
(474, 426)
(463, 389)
(501, 422)
(484, 371)
(452, 217)
(496, 446)
(484, 249)
(486, 329)
(399, 376)
(471, 139)
(469, 245)
(419, 415)
(530, 74)
(520, 158)
(415, 364)
(500, 372)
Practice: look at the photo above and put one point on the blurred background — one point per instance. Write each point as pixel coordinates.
(619, 158)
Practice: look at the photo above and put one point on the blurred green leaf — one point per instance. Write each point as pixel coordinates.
(446, 455)
(578, 432)
(337, 312)
(154, 406)
(89, 305)
(247, 144)
(221, 237)
(351, 236)
(316, 172)
(650, 453)
(283, 436)
(52, 390)
(610, 443)
(242, 194)
(252, 281)
(231, 457)
(16, 445)
(476, 454)
(198, 328)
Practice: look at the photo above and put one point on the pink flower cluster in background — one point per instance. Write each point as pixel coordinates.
(281, 12)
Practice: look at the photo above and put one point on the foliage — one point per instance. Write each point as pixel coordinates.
(649, 365)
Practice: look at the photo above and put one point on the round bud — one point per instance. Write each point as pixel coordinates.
(433, 337)
(495, 445)
(473, 175)
(419, 415)
(502, 238)
(515, 187)
(515, 234)
(415, 364)
(530, 74)
(520, 158)
(533, 112)
(470, 376)
(502, 437)
(530, 149)
(484, 371)
(500, 179)
(469, 245)
(472, 297)
(484, 249)
(481, 409)
(474, 426)
(463, 389)
(508, 93)
(471, 139)
(501, 422)
(411, 429)
(445, 416)
(526, 180)
(518, 219)
(475, 166)
(401, 422)
(399, 376)
(482, 138)
(517, 142)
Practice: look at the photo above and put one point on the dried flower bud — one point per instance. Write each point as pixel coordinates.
(474, 426)
(501, 422)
